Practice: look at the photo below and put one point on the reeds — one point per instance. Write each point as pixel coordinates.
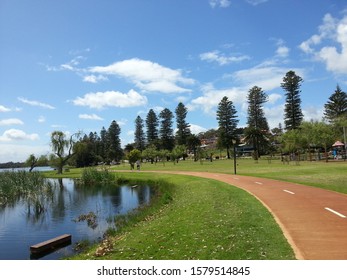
(95, 176)
(30, 187)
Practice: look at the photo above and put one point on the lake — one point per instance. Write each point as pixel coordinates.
(19, 228)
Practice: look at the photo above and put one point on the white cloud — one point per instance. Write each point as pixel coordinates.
(274, 115)
(220, 3)
(41, 119)
(256, 2)
(221, 59)
(11, 122)
(90, 117)
(282, 51)
(212, 96)
(274, 97)
(35, 103)
(101, 100)
(4, 109)
(332, 33)
(17, 135)
(94, 79)
(147, 75)
(266, 77)
(19, 153)
(313, 113)
(196, 129)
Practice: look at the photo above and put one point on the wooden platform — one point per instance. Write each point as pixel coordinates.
(50, 244)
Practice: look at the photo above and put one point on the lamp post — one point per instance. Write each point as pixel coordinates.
(234, 145)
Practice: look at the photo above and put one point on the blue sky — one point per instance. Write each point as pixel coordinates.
(74, 65)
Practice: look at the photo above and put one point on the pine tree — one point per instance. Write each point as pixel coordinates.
(115, 151)
(166, 131)
(292, 112)
(139, 136)
(226, 116)
(152, 128)
(336, 108)
(257, 124)
(183, 130)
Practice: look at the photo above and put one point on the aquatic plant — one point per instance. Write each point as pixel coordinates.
(93, 175)
(30, 187)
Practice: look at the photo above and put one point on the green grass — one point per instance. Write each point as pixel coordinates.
(206, 219)
(331, 175)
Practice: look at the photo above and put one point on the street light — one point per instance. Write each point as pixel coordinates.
(234, 145)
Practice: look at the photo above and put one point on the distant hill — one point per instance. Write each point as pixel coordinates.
(11, 164)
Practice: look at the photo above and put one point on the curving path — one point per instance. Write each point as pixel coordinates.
(313, 220)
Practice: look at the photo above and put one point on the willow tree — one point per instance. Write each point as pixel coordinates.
(63, 148)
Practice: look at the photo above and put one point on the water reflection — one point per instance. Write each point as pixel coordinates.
(20, 228)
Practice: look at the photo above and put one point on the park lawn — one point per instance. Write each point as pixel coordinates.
(330, 176)
(206, 219)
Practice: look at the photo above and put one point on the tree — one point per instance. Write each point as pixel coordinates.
(226, 116)
(166, 131)
(152, 128)
(292, 112)
(103, 144)
(183, 130)
(33, 161)
(193, 142)
(114, 149)
(336, 108)
(133, 156)
(139, 136)
(257, 124)
(62, 147)
(318, 134)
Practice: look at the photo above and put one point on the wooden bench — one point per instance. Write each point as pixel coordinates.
(51, 243)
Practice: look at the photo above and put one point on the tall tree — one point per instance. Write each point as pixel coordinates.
(63, 148)
(152, 123)
(115, 151)
(166, 131)
(257, 124)
(292, 112)
(183, 130)
(140, 139)
(227, 123)
(336, 108)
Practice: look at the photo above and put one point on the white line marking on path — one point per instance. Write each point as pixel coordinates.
(259, 183)
(335, 212)
(235, 178)
(288, 191)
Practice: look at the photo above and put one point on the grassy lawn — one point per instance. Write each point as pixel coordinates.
(206, 219)
(331, 175)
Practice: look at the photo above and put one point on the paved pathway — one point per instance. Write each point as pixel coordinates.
(313, 220)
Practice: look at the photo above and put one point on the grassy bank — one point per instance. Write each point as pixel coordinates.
(205, 220)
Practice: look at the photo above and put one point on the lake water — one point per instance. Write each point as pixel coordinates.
(20, 229)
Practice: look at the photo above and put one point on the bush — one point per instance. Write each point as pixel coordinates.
(93, 176)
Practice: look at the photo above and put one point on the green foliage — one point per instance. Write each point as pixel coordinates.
(167, 139)
(292, 112)
(183, 130)
(31, 187)
(92, 175)
(227, 123)
(336, 107)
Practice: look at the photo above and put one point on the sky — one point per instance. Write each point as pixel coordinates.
(77, 65)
